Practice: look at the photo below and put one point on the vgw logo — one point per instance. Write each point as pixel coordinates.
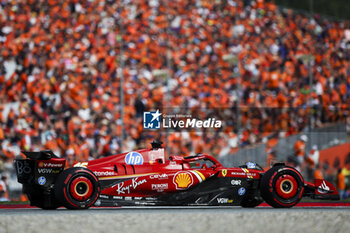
(151, 120)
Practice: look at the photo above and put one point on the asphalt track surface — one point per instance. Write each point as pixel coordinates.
(177, 219)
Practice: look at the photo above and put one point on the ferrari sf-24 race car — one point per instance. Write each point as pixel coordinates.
(144, 177)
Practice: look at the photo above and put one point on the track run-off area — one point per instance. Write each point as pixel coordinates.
(305, 217)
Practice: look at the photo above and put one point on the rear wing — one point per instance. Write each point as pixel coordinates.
(40, 155)
(40, 168)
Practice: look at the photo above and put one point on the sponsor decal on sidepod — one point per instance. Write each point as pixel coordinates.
(160, 187)
(134, 158)
(159, 176)
(121, 189)
(104, 173)
(183, 180)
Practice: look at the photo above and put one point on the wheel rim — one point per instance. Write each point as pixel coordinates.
(81, 188)
(286, 186)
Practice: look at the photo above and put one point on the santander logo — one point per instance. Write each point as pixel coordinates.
(104, 173)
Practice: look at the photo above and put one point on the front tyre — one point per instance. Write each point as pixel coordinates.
(282, 187)
(77, 188)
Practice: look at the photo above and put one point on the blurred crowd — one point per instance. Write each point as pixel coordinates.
(312, 168)
(310, 164)
(61, 63)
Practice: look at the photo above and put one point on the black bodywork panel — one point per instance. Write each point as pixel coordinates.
(214, 191)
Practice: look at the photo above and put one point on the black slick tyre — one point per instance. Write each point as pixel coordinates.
(77, 188)
(282, 187)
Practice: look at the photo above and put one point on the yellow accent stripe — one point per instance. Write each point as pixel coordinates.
(200, 174)
(247, 171)
(125, 176)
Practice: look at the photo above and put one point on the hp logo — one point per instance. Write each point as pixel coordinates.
(134, 158)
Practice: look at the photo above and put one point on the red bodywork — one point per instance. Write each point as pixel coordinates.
(156, 174)
(145, 177)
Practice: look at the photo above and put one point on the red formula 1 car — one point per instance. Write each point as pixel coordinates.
(144, 177)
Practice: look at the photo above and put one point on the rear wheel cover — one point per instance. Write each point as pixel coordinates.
(77, 188)
(282, 186)
(81, 188)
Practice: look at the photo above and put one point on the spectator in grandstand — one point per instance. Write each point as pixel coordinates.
(311, 161)
(299, 151)
(341, 185)
(346, 172)
(318, 173)
(271, 159)
(3, 188)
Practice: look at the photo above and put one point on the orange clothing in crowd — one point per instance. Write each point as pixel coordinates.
(299, 148)
(3, 190)
(340, 181)
(64, 91)
(318, 174)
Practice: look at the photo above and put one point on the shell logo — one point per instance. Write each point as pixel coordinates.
(183, 180)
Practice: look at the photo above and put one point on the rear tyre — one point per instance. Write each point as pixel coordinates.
(77, 188)
(282, 187)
